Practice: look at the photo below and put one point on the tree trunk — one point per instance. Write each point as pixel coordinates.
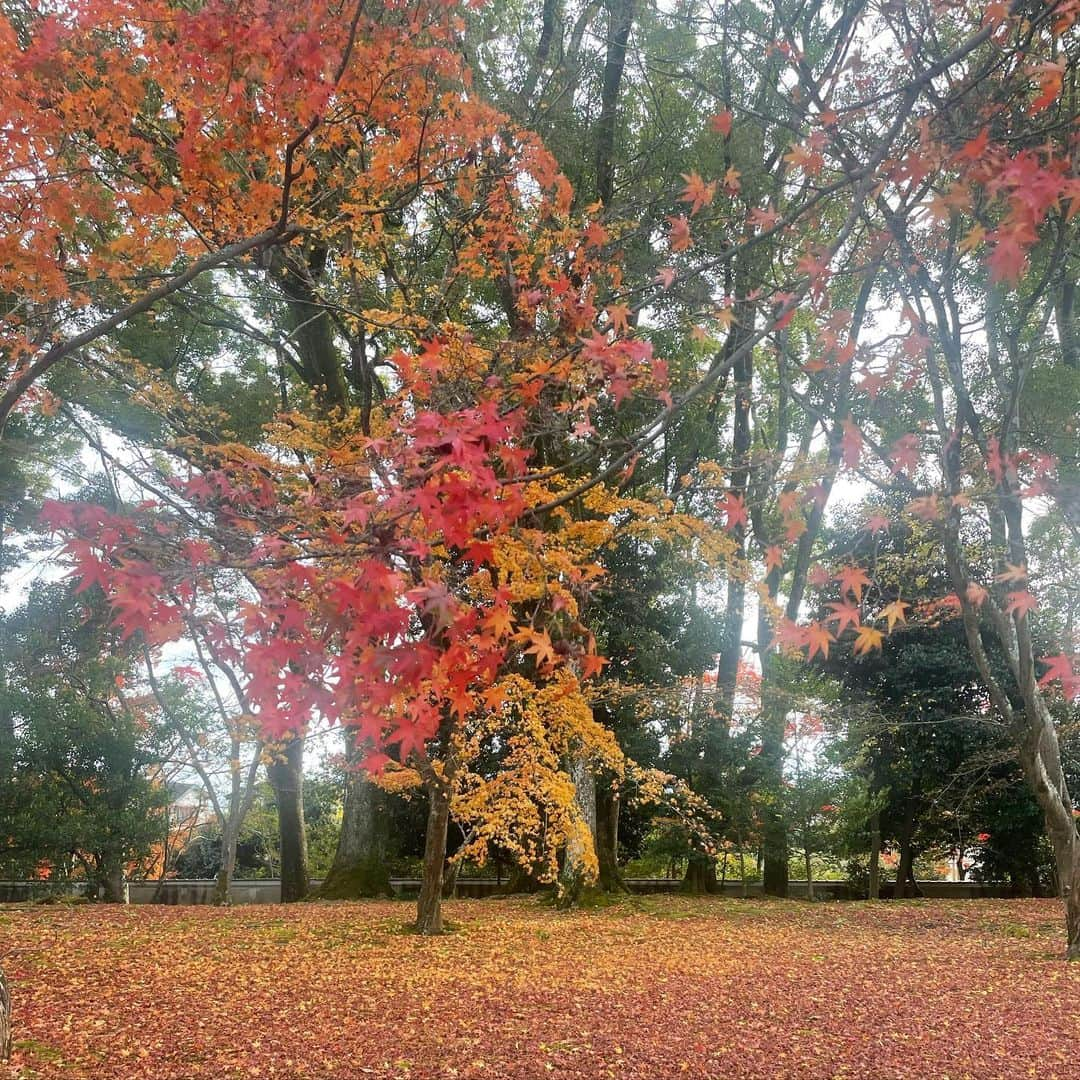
(114, 889)
(620, 20)
(775, 852)
(286, 775)
(519, 880)
(575, 874)
(700, 874)
(5, 1019)
(360, 866)
(429, 907)
(223, 888)
(1072, 914)
(875, 855)
(904, 869)
(809, 874)
(607, 838)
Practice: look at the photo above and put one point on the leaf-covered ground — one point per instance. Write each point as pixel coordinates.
(651, 988)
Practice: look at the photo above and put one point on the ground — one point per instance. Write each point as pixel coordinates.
(650, 988)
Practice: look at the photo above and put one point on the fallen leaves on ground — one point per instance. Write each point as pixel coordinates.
(652, 987)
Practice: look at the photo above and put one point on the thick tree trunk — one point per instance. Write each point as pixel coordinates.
(775, 851)
(286, 775)
(875, 855)
(5, 1019)
(700, 874)
(1040, 758)
(114, 889)
(521, 881)
(429, 907)
(360, 866)
(607, 838)
(575, 874)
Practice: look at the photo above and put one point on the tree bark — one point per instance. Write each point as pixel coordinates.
(429, 920)
(360, 866)
(5, 1018)
(607, 838)
(905, 869)
(620, 20)
(223, 888)
(113, 885)
(575, 875)
(700, 874)
(286, 775)
(875, 855)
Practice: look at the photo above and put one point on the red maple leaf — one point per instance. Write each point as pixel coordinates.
(852, 579)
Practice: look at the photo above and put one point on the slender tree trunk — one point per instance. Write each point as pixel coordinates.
(286, 775)
(904, 871)
(429, 919)
(875, 855)
(361, 867)
(809, 873)
(1072, 914)
(5, 1018)
(607, 838)
(223, 888)
(620, 20)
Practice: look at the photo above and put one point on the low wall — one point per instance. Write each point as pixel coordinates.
(268, 891)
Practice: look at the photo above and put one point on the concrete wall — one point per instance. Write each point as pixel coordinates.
(269, 891)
